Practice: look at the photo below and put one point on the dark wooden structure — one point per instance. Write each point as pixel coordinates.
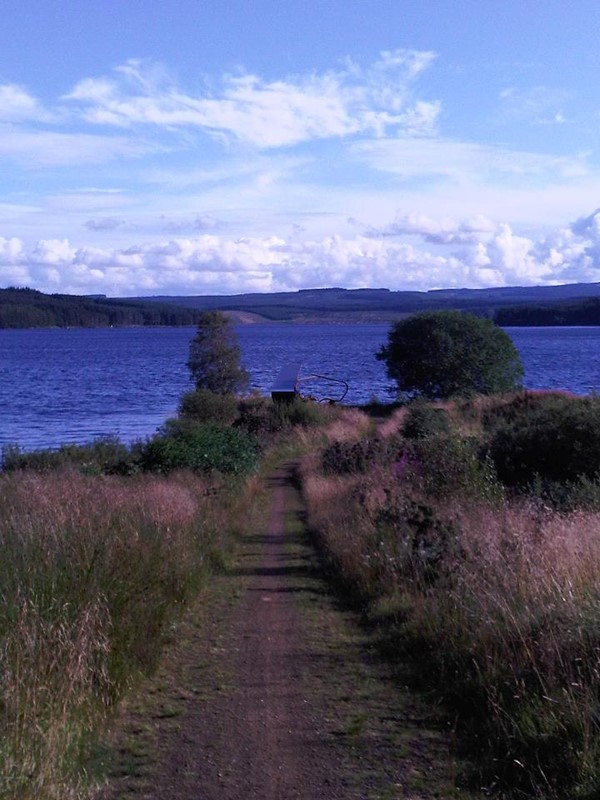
(285, 387)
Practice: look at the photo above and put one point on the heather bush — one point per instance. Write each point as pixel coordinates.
(344, 457)
(505, 409)
(423, 419)
(559, 441)
(424, 541)
(491, 597)
(444, 466)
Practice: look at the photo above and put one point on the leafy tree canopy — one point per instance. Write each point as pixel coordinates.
(442, 354)
(215, 357)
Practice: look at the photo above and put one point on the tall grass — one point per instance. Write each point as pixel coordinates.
(494, 600)
(93, 572)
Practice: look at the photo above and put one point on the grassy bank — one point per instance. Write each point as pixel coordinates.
(94, 571)
(489, 587)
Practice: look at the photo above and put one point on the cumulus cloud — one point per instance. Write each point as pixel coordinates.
(12, 251)
(445, 230)
(373, 100)
(588, 226)
(423, 253)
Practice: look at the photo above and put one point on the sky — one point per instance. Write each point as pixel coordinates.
(220, 146)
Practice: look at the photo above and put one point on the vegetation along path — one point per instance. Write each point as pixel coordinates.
(273, 691)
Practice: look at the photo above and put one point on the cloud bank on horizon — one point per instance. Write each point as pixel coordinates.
(361, 173)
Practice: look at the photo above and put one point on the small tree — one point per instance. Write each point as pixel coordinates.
(215, 357)
(442, 354)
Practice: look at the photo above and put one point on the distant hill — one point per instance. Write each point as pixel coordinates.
(573, 304)
(27, 308)
(377, 304)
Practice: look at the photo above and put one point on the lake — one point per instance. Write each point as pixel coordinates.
(72, 385)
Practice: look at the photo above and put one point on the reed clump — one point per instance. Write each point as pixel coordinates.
(488, 587)
(93, 573)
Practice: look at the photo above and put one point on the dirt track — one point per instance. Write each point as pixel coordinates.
(278, 694)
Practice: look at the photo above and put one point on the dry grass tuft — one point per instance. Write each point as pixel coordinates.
(349, 426)
(393, 425)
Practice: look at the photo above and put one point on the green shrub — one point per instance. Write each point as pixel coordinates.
(204, 406)
(256, 415)
(203, 449)
(423, 419)
(558, 442)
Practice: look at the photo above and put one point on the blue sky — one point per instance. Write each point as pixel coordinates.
(198, 146)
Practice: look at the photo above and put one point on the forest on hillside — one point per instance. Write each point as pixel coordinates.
(28, 308)
(584, 312)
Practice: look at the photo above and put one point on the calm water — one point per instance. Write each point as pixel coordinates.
(72, 385)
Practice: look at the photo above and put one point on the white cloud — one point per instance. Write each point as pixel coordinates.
(16, 104)
(11, 251)
(53, 251)
(537, 105)
(488, 255)
(465, 162)
(268, 114)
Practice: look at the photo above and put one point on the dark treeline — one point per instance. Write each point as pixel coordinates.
(585, 312)
(27, 308)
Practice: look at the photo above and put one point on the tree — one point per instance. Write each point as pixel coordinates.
(215, 357)
(442, 354)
